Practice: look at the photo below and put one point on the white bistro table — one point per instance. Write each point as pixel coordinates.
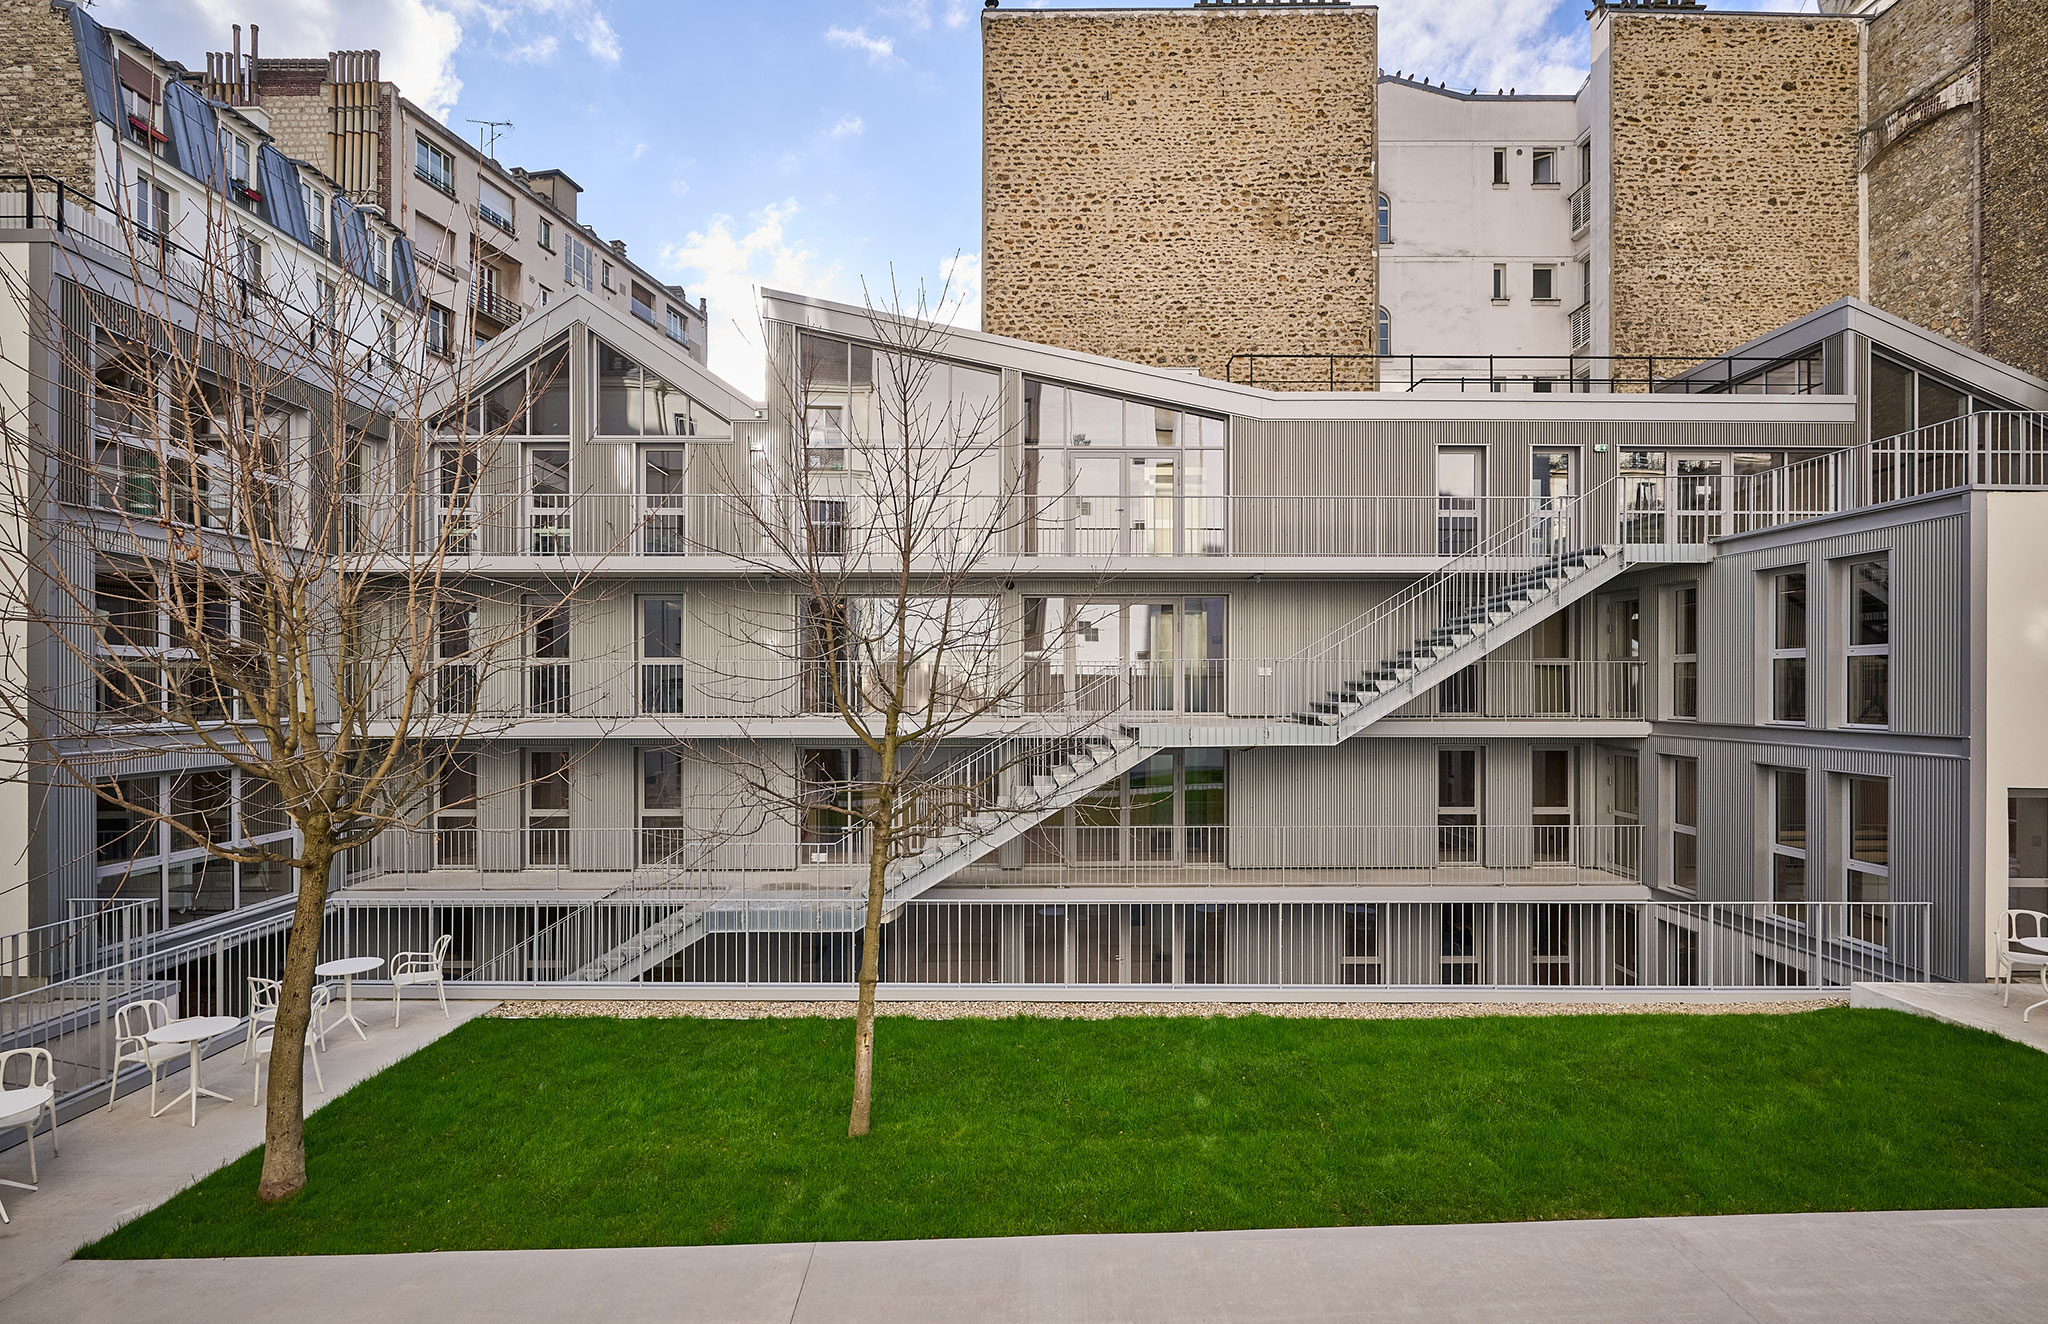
(2036, 945)
(193, 1032)
(29, 1101)
(348, 967)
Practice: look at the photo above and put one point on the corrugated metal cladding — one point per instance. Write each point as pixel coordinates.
(1930, 636)
(1395, 458)
(1930, 817)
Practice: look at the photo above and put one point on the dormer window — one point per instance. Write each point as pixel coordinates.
(235, 155)
(141, 95)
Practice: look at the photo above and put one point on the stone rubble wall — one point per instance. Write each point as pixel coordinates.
(2015, 185)
(46, 123)
(1734, 176)
(1175, 187)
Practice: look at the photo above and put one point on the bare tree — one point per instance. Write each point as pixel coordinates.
(894, 514)
(243, 540)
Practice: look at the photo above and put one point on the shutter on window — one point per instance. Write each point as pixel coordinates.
(96, 62)
(195, 134)
(405, 282)
(283, 202)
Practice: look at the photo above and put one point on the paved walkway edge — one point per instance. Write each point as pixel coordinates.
(1876, 1268)
(1978, 1006)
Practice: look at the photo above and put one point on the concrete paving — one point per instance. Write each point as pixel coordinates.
(1984, 1265)
(1980, 1006)
(119, 1162)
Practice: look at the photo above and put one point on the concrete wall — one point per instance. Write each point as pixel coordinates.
(1177, 187)
(1734, 199)
(1451, 223)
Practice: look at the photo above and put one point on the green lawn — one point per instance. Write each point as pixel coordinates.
(658, 1132)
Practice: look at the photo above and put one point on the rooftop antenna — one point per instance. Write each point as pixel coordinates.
(487, 136)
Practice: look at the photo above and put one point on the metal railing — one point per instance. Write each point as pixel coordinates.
(495, 305)
(1096, 947)
(1994, 448)
(1582, 209)
(1698, 373)
(1582, 326)
(97, 931)
(1468, 590)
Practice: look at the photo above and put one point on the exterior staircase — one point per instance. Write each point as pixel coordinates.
(1373, 666)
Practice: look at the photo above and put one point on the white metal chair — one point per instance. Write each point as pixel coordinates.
(263, 995)
(417, 969)
(131, 1023)
(2022, 924)
(262, 1035)
(42, 1070)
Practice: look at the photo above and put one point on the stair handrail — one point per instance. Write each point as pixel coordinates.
(1476, 559)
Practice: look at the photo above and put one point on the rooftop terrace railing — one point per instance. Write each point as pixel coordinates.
(1994, 448)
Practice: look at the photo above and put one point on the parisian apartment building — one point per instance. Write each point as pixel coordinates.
(1456, 536)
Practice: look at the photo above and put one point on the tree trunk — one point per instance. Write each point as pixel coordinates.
(284, 1112)
(870, 975)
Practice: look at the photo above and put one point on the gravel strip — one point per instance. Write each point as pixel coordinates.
(1102, 1011)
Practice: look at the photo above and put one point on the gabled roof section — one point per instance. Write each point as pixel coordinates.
(629, 335)
(1182, 388)
(1938, 352)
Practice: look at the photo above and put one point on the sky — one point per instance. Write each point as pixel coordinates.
(819, 146)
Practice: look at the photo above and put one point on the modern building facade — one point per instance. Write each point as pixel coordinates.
(1730, 682)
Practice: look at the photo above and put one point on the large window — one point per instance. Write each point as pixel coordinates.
(1870, 643)
(1903, 398)
(1788, 647)
(547, 808)
(1685, 651)
(547, 654)
(662, 825)
(1162, 654)
(578, 270)
(455, 811)
(1868, 885)
(153, 835)
(434, 164)
(633, 402)
(1550, 801)
(664, 686)
(532, 401)
(1685, 824)
(1788, 841)
(1171, 809)
(1115, 477)
(1457, 806)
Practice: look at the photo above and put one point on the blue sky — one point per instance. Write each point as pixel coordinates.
(798, 144)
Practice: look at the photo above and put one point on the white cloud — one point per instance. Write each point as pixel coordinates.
(418, 38)
(879, 50)
(639, 150)
(959, 294)
(1483, 44)
(956, 13)
(538, 51)
(914, 14)
(729, 268)
(849, 126)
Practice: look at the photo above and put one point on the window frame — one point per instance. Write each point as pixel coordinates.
(1854, 652)
(433, 164)
(1781, 655)
(1538, 158)
(1543, 283)
(1500, 167)
(1789, 849)
(1683, 703)
(1684, 769)
(1383, 220)
(1858, 874)
(1500, 282)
